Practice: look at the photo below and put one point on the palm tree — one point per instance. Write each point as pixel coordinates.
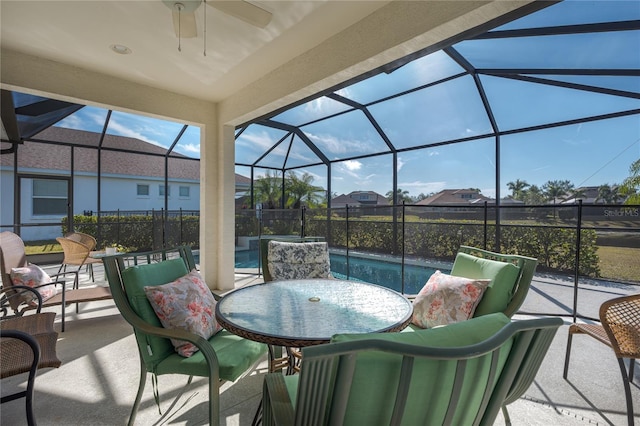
(557, 189)
(402, 196)
(301, 189)
(631, 186)
(608, 194)
(517, 189)
(533, 195)
(268, 190)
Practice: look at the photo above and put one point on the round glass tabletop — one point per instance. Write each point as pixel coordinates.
(306, 312)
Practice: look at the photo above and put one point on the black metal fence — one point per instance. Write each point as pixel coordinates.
(140, 230)
(575, 240)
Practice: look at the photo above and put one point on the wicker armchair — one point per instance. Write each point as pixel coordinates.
(12, 255)
(620, 330)
(83, 238)
(78, 248)
(27, 343)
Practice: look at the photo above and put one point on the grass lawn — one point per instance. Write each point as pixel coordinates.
(44, 246)
(619, 263)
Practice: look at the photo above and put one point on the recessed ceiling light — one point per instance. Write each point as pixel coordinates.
(122, 50)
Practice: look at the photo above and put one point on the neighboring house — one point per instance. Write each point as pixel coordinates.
(131, 180)
(359, 199)
(243, 184)
(589, 195)
(457, 197)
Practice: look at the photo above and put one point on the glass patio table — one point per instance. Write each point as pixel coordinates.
(298, 313)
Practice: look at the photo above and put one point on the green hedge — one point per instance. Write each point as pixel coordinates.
(138, 232)
(553, 247)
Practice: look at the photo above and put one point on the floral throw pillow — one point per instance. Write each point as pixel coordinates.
(446, 299)
(186, 304)
(33, 276)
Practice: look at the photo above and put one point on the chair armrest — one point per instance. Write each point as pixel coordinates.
(201, 343)
(277, 406)
(18, 292)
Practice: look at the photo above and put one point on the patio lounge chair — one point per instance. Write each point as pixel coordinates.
(27, 344)
(224, 356)
(620, 330)
(459, 374)
(12, 255)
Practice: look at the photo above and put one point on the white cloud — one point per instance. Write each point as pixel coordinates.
(400, 164)
(333, 145)
(260, 140)
(124, 130)
(190, 148)
(352, 165)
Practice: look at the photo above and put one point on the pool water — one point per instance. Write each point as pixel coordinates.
(373, 270)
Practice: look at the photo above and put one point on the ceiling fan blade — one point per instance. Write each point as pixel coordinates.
(184, 24)
(244, 11)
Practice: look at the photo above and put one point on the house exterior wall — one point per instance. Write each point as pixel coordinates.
(118, 192)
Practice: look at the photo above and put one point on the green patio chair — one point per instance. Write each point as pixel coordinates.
(508, 289)
(222, 357)
(461, 374)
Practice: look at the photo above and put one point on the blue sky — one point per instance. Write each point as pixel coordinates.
(587, 154)
(155, 131)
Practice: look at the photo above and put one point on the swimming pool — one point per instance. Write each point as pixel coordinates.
(373, 269)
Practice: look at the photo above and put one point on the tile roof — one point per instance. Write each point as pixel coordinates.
(454, 197)
(146, 159)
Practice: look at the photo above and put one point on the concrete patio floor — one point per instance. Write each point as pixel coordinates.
(98, 379)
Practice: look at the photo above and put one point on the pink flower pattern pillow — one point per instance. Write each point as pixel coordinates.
(186, 304)
(446, 299)
(33, 276)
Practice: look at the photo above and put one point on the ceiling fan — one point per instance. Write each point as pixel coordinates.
(184, 22)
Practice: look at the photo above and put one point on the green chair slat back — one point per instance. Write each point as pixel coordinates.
(527, 267)
(423, 377)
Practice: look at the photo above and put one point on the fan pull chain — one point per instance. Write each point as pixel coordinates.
(205, 28)
(179, 6)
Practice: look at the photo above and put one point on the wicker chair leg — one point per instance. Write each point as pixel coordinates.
(627, 391)
(136, 403)
(566, 358)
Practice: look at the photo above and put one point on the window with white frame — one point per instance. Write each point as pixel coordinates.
(143, 190)
(161, 190)
(185, 192)
(50, 197)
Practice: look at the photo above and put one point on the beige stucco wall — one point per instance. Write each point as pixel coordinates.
(399, 28)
